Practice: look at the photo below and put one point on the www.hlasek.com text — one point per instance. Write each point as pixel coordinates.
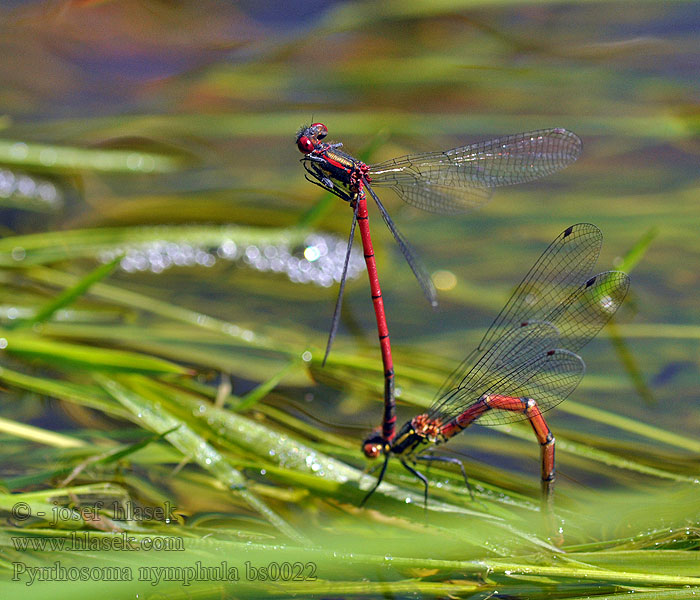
(89, 541)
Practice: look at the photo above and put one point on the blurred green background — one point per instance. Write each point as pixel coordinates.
(121, 117)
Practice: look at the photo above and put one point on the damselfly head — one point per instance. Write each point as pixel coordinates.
(320, 129)
(309, 137)
(305, 144)
(372, 446)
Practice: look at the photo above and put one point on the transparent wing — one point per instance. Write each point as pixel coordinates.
(579, 319)
(552, 379)
(518, 346)
(426, 283)
(549, 378)
(505, 365)
(457, 180)
(439, 198)
(558, 272)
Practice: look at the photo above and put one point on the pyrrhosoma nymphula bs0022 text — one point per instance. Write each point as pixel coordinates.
(452, 182)
(526, 362)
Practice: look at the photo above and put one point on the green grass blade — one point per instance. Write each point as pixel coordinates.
(607, 458)
(41, 505)
(151, 305)
(257, 394)
(192, 446)
(39, 435)
(69, 295)
(629, 363)
(84, 395)
(87, 357)
(72, 159)
(637, 252)
(600, 415)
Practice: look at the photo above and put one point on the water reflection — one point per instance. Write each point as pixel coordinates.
(319, 260)
(29, 189)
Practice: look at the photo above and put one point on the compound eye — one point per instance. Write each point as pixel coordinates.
(305, 144)
(321, 130)
(372, 449)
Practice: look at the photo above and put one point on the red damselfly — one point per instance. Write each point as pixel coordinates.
(526, 362)
(453, 181)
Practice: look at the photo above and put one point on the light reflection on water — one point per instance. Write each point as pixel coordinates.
(31, 188)
(319, 260)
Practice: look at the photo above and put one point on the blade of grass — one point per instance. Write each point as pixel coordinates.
(628, 262)
(629, 364)
(147, 304)
(84, 395)
(39, 435)
(672, 438)
(514, 569)
(114, 454)
(637, 252)
(69, 295)
(88, 357)
(66, 158)
(42, 504)
(257, 394)
(193, 446)
(604, 457)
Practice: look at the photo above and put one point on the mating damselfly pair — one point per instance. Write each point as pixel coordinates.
(526, 362)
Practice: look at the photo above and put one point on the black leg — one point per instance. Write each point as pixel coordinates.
(452, 460)
(316, 176)
(423, 478)
(322, 183)
(379, 480)
(339, 301)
